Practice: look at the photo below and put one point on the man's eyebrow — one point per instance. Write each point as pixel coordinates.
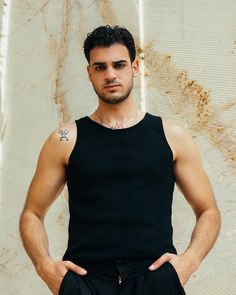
(118, 61)
(98, 63)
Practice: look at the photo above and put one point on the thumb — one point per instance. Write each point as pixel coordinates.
(75, 268)
(163, 259)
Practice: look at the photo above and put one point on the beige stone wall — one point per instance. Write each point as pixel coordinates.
(189, 50)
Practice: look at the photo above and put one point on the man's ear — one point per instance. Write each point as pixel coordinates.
(89, 72)
(135, 67)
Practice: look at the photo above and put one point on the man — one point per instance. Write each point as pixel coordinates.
(120, 165)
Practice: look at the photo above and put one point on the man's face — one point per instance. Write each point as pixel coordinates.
(111, 73)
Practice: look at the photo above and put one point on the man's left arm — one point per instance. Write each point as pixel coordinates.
(193, 182)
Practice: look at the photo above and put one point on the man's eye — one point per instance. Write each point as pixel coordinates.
(120, 66)
(99, 68)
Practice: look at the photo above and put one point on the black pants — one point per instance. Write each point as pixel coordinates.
(122, 277)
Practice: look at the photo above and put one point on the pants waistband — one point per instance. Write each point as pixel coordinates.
(126, 267)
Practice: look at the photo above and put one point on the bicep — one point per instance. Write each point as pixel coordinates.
(48, 180)
(190, 176)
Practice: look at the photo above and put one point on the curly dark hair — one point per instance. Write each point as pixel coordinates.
(105, 36)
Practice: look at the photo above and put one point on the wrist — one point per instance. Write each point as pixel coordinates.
(43, 264)
(191, 259)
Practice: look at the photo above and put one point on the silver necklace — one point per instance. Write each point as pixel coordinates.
(117, 125)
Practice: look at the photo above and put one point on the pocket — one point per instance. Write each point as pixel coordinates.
(175, 275)
(63, 283)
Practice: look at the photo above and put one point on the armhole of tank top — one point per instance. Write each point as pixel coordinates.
(164, 136)
(75, 144)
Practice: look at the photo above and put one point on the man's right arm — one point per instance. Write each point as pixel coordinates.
(45, 187)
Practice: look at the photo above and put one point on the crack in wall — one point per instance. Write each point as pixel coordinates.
(28, 5)
(7, 255)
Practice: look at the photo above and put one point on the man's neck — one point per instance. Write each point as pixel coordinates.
(117, 112)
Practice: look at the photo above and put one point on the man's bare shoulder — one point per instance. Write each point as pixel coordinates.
(178, 137)
(64, 134)
(173, 129)
(61, 141)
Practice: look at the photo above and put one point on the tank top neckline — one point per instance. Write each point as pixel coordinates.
(117, 130)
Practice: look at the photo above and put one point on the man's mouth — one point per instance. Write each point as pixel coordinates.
(112, 85)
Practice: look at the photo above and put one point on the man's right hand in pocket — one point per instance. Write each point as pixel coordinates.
(53, 272)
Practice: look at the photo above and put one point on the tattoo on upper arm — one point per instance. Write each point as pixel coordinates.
(63, 134)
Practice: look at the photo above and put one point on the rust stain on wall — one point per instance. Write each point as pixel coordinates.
(190, 100)
(82, 29)
(107, 13)
(59, 95)
(58, 51)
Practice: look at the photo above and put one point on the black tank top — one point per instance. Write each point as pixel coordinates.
(120, 185)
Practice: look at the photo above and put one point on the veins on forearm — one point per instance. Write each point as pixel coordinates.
(205, 233)
(34, 237)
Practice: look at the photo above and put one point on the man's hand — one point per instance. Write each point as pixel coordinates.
(183, 266)
(53, 272)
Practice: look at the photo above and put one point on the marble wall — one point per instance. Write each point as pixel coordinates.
(188, 49)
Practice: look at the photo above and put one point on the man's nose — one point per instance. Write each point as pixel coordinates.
(110, 74)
